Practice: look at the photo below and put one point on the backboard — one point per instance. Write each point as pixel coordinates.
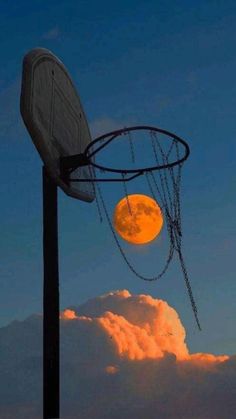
(53, 114)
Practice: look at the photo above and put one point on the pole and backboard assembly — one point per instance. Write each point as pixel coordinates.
(53, 114)
(54, 117)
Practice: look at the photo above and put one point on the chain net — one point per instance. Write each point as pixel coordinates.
(164, 186)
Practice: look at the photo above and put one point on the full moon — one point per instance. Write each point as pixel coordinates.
(138, 219)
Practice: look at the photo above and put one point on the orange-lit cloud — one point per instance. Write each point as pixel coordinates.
(122, 356)
(143, 328)
(68, 315)
(111, 369)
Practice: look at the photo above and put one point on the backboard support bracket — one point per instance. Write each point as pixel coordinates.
(70, 163)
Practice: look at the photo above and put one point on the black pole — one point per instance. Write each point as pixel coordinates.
(51, 322)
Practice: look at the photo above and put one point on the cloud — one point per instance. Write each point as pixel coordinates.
(105, 124)
(122, 356)
(52, 34)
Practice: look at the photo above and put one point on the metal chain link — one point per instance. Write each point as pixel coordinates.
(189, 288)
(95, 193)
(126, 193)
(168, 219)
(131, 147)
(162, 174)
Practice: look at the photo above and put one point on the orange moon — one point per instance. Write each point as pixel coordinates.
(138, 219)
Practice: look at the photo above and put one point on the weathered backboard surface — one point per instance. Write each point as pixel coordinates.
(54, 117)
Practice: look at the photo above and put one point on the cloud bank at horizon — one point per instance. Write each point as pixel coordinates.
(122, 356)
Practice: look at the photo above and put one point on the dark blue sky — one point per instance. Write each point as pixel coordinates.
(165, 63)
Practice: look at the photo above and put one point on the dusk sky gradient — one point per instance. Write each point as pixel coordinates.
(169, 64)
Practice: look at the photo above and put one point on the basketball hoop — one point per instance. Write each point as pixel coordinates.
(71, 163)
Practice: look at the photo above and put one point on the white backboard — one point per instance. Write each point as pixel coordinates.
(53, 114)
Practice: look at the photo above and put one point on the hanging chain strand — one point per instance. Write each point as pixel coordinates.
(131, 147)
(162, 174)
(189, 289)
(151, 188)
(93, 173)
(126, 194)
(174, 212)
(168, 224)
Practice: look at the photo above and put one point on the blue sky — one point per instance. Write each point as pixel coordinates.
(165, 63)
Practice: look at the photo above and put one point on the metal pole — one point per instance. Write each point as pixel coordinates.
(51, 322)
